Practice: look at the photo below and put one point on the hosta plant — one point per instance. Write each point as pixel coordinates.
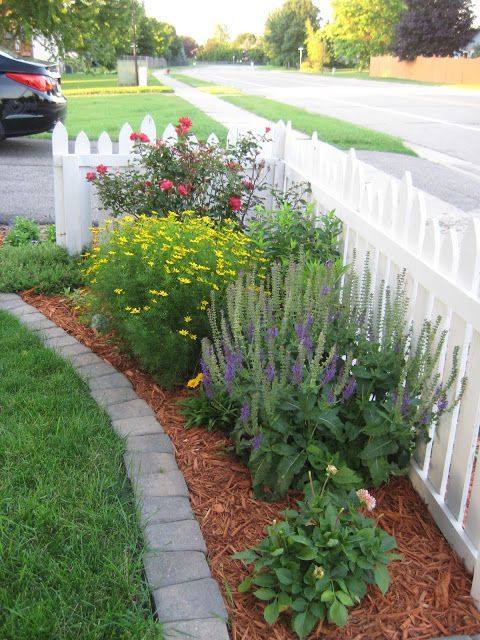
(318, 561)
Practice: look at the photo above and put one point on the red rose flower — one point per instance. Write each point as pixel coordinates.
(90, 176)
(185, 122)
(182, 190)
(165, 185)
(232, 165)
(267, 129)
(148, 183)
(248, 184)
(139, 136)
(235, 203)
(102, 169)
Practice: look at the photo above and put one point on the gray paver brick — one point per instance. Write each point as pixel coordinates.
(71, 350)
(206, 629)
(140, 464)
(175, 536)
(13, 303)
(95, 370)
(31, 319)
(82, 359)
(171, 483)
(60, 341)
(145, 425)
(113, 396)
(189, 601)
(22, 310)
(174, 567)
(156, 509)
(130, 409)
(8, 297)
(47, 332)
(160, 443)
(115, 381)
(38, 325)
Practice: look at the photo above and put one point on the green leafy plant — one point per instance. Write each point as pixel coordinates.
(24, 231)
(288, 230)
(45, 267)
(319, 560)
(152, 277)
(312, 368)
(50, 233)
(189, 175)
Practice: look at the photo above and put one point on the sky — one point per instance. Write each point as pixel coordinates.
(197, 17)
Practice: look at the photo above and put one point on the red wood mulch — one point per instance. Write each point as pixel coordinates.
(429, 594)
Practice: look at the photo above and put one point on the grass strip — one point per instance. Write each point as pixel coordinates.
(71, 564)
(94, 114)
(103, 91)
(339, 133)
(207, 87)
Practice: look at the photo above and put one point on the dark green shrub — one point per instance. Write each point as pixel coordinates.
(23, 231)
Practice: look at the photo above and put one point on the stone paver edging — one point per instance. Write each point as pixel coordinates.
(187, 599)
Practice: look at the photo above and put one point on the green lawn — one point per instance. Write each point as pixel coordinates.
(192, 82)
(340, 133)
(94, 114)
(70, 544)
(96, 80)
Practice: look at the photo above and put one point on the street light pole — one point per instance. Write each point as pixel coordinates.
(134, 25)
(300, 49)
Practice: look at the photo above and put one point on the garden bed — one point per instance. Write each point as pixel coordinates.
(429, 594)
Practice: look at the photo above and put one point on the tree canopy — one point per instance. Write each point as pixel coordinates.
(433, 28)
(364, 28)
(285, 30)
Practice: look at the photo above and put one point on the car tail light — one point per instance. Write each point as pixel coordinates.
(33, 80)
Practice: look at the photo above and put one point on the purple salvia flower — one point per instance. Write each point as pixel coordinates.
(325, 291)
(269, 372)
(232, 360)
(331, 397)
(438, 390)
(396, 348)
(349, 389)
(330, 371)
(424, 419)
(329, 264)
(245, 413)
(442, 404)
(406, 402)
(334, 316)
(297, 373)
(257, 441)
(272, 333)
(206, 380)
(309, 321)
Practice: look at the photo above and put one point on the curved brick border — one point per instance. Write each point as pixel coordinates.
(187, 599)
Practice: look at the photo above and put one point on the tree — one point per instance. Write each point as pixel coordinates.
(433, 28)
(317, 48)
(364, 28)
(220, 34)
(189, 45)
(158, 39)
(285, 30)
(245, 41)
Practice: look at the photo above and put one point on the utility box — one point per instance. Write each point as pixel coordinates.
(126, 72)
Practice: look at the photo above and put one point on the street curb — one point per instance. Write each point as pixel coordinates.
(188, 601)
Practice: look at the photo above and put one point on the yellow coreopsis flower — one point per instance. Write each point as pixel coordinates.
(118, 291)
(194, 382)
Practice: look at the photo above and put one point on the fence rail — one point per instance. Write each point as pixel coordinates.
(394, 227)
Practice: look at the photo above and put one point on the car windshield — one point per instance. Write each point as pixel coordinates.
(9, 54)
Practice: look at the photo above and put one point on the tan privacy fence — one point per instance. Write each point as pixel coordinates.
(443, 70)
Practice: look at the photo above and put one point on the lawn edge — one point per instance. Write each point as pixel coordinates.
(187, 598)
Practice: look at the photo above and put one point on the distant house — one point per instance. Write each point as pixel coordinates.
(473, 47)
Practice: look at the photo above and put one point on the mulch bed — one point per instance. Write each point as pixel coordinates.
(429, 594)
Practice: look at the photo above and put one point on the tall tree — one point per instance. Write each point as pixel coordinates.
(190, 45)
(317, 48)
(285, 30)
(433, 28)
(157, 38)
(364, 28)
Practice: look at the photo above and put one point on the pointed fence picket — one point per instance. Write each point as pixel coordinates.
(389, 224)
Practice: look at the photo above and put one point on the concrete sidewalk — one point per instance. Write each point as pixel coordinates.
(375, 162)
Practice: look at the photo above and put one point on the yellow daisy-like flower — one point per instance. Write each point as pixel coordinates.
(151, 263)
(128, 253)
(194, 382)
(164, 294)
(192, 336)
(135, 310)
(183, 332)
(184, 280)
(188, 318)
(93, 281)
(118, 291)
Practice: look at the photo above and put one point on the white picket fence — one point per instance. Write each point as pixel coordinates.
(394, 227)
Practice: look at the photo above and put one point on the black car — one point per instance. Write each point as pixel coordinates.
(31, 99)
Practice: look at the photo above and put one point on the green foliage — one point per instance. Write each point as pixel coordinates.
(289, 230)
(285, 31)
(50, 233)
(315, 370)
(153, 276)
(363, 28)
(24, 231)
(318, 561)
(208, 179)
(157, 38)
(70, 542)
(45, 267)
(317, 47)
